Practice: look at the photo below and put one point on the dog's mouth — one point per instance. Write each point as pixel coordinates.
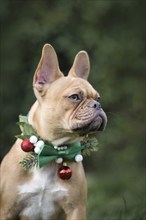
(90, 123)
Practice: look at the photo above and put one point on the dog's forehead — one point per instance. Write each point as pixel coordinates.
(68, 85)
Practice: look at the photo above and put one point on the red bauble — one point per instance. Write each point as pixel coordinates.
(27, 146)
(65, 172)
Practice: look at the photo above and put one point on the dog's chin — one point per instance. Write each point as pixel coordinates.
(93, 125)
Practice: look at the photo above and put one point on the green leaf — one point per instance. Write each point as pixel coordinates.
(23, 118)
(28, 129)
(25, 127)
(21, 125)
(22, 137)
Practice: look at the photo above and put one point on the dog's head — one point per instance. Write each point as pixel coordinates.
(67, 107)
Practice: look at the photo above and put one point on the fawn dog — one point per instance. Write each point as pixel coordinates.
(66, 109)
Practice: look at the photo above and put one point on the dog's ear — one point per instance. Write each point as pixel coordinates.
(81, 66)
(47, 71)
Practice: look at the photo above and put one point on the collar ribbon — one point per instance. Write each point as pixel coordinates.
(49, 154)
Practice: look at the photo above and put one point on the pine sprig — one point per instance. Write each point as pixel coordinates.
(90, 145)
(29, 161)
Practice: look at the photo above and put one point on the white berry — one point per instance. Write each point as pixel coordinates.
(40, 144)
(78, 158)
(59, 160)
(37, 150)
(33, 139)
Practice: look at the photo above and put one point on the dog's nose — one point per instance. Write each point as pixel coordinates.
(94, 104)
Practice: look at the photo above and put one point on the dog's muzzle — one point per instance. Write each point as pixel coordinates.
(90, 119)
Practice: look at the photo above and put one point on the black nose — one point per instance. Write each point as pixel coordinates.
(95, 104)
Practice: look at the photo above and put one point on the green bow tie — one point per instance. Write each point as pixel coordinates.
(49, 153)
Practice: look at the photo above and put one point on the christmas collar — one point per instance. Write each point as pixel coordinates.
(41, 152)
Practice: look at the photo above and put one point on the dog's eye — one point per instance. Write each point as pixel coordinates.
(74, 97)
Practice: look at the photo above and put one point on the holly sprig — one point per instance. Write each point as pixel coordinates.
(26, 128)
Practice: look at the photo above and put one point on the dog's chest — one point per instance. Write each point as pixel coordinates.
(40, 194)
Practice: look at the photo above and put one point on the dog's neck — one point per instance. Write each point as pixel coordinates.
(35, 114)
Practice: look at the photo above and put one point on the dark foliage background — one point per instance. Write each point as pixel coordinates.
(113, 34)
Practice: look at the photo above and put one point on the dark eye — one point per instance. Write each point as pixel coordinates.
(74, 97)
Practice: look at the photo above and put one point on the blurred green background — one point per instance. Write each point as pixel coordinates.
(113, 34)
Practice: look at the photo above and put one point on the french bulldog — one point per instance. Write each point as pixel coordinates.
(66, 109)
